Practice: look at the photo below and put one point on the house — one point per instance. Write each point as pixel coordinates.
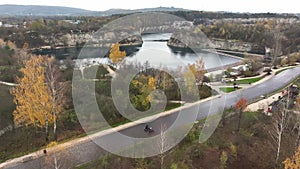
(237, 70)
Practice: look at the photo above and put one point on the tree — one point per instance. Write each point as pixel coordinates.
(294, 161)
(33, 102)
(56, 89)
(163, 143)
(240, 106)
(277, 46)
(284, 61)
(58, 157)
(140, 89)
(223, 159)
(115, 54)
(280, 123)
(254, 63)
(198, 70)
(297, 124)
(151, 83)
(190, 87)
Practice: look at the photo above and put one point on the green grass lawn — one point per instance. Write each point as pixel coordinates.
(247, 81)
(228, 89)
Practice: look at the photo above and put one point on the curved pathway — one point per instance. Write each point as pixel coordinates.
(83, 150)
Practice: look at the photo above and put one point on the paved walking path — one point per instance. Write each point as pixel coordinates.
(244, 53)
(217, 85)
(79, 141)
(264, 103)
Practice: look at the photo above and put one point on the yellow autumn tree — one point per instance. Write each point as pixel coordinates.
(115, 55)
(140, 90)
(151, 83)
(190, 86)
(33, 103)
(294, 161)
(198, 70)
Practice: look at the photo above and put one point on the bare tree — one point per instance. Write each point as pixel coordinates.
(54, 160)
(163, 143)
(58, 158)
(297, 123)
(277, 47)
(56, 89)
(280, 123)
(297, 128)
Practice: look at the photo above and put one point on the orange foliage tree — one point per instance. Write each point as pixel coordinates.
(240, 106)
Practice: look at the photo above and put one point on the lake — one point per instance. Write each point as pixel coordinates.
(154, 50)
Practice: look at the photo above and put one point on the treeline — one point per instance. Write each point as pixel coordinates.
(262, 34)
(31, 30)
(34, 30)
(197, 15)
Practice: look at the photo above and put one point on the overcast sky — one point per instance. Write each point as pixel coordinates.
(278, 6)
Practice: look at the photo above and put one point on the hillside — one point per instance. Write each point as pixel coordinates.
(39, 10)
(35, 10)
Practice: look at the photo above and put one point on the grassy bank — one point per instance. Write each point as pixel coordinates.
(226, 147)
(228, 89)
(247, 81)
(282, 70)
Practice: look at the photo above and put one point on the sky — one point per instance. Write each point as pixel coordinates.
(253, 6)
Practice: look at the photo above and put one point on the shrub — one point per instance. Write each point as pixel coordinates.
(223, 159)
(233, 149)
(174, 166)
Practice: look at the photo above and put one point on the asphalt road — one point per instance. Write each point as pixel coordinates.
(88, 150)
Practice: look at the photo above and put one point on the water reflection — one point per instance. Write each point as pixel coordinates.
(154, 50)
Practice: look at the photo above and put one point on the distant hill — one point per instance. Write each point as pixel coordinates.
(126, 11)
(35, 10)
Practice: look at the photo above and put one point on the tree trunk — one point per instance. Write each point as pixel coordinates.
(298, 138)
(55, 162)
(223, 119)
(82, 72)
(47, 132)
(162, 161)
(278, 148)
(239, 122)
(54, 128)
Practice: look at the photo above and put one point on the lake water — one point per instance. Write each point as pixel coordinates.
(154, 50)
